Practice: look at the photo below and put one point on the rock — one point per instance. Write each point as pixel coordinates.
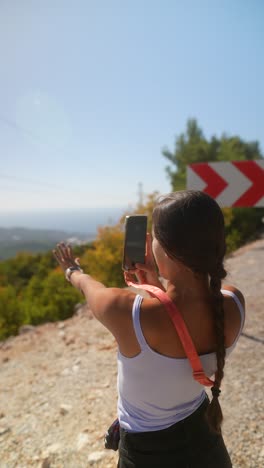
(7, 344)
(26, 329)
(78, 308)
(82, 440)
(4, 430)
(61, 325)
(106, 385)
(70, 341)
(95, 457)
(65, 409)
(46, 463)
(51, 449)
(77, 361)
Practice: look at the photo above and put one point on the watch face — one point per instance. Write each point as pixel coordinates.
(70, 270)
(67, 274)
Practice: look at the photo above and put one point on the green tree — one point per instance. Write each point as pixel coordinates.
(242, 224)
(18, 271)
(193, 147)
(104, 260)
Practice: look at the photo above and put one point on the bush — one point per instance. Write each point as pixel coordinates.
(11, 316)
(49, 300)
(242, 225)
(104, 261)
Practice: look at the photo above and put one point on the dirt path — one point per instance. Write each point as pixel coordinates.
(58, 386)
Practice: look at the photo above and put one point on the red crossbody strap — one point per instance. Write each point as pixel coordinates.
(186, 340)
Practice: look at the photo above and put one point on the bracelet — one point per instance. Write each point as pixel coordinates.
(70, 271)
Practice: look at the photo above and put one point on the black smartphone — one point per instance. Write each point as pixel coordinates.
(135, 241)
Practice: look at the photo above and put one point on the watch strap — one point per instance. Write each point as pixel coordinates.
(70, 270)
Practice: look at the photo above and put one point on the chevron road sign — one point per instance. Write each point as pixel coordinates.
(235, 183)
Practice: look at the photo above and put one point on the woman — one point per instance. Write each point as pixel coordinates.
(165, 417)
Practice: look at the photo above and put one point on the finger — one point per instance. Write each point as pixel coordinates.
(141, 277)
(57, 254)
(149, 253)
(148, 239)
(64, 249)
(59, 250)
(57, 257)
(69, 250)
(129, 274)
(129, 277)
(144, 267)
(132, 272)
(77, 261)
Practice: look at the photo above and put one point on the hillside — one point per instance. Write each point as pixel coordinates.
(18, 239)
(58, 386)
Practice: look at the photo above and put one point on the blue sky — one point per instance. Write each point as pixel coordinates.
(91, 91)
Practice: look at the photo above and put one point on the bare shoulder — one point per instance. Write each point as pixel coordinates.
(113, 307)
(237, 293)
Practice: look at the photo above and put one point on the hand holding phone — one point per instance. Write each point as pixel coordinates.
(148, 272)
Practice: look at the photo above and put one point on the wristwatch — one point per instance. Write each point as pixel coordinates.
(70, 270)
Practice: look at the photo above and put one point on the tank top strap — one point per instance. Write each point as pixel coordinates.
(136, 322)
(182, 330)
(241, 310)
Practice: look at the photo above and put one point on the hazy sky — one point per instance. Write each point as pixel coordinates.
(91, 91)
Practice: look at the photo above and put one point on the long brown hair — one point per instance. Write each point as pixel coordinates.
(189, 225)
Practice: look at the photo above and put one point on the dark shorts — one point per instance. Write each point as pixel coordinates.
(186, 444)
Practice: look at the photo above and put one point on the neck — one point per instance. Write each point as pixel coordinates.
(189, 285)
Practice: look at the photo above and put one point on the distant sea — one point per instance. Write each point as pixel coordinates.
(82, 221)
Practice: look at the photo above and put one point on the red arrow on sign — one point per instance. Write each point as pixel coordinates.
(256, 174)
(215, 183)
(236, 183)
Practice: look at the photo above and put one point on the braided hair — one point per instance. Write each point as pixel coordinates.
(214, 412)
(189, 225)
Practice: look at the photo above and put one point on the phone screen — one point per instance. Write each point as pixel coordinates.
(135, 241)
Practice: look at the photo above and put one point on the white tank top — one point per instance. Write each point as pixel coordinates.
(156, 391)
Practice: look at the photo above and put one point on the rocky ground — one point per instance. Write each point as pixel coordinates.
(58, 386)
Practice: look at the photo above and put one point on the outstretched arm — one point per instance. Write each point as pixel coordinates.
(105, 303)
